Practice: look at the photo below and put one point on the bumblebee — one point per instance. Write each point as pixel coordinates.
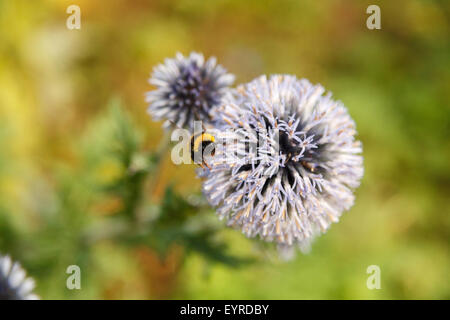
(199, 144)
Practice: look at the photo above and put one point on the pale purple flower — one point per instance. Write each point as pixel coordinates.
(14, 284)
(292, 166)
(188, 89)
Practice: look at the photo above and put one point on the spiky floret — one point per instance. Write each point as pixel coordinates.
(188, 89)
(290, 161)
(14, 285)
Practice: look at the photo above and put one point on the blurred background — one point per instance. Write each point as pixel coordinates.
(85, 179)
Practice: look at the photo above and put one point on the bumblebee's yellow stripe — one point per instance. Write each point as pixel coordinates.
(201, 138)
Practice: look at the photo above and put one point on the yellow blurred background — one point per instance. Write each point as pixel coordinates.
(56, 83)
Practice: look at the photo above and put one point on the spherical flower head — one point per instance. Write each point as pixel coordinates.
(188, 89)
(289, 164)
(14, 285)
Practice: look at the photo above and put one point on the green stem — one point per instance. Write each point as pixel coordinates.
(160, 153)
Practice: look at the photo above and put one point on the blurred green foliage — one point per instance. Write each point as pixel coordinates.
(87, 180)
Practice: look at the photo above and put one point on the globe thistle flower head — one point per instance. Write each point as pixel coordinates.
(289, 170)
(188, 89)
(14, 285)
